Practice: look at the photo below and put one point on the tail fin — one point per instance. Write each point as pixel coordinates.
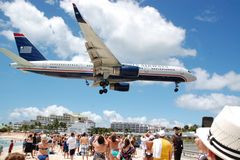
(26, 49)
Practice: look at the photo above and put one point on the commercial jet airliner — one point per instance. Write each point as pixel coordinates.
(105, 69)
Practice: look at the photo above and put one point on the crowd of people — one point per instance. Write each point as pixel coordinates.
(221, 141)
(109, 146)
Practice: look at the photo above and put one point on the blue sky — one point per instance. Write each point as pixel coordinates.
(202, 36)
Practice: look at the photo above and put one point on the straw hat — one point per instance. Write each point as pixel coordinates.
(223, 138)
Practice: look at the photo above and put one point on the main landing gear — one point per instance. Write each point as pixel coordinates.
(103, 84)
(176, 86)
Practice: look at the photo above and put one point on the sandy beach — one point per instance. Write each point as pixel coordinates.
(59, 155)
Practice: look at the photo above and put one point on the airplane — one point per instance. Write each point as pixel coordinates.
(105, 70)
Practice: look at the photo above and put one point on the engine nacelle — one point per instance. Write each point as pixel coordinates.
(127, 71)
(124, 87)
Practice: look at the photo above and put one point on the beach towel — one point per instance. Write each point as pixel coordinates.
(157, 148)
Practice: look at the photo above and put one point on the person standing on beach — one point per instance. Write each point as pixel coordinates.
(65, 148)
(162, 148)
(29, 146)
(72, 145)
(43, 148)
(10, 147)
(78, 143)
(113, 144)
(100, 145)
(34, 144)
(1, 149)
(84, 145)
(177, 143)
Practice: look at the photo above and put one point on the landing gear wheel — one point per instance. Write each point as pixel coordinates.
(105, 90)
(176, 86)
(104, 83)
(176, 89)
(100, 91)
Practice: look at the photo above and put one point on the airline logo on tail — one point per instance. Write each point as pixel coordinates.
(25, 49)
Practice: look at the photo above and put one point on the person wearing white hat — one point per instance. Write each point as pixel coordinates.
(148, 155)
(162, 148)
(222, 139)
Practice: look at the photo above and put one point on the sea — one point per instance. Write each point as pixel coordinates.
(6, 142)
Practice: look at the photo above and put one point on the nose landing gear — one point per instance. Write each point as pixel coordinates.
(176, 87)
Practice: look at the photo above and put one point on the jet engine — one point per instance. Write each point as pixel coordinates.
(127, 71)
(124, 87)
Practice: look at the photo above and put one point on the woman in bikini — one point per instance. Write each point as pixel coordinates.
(127, 150)
(43, 147)
(114, 147)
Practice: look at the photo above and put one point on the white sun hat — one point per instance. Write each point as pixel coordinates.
(223, 138)
(161, 133)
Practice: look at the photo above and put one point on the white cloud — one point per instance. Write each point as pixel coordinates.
(92, 116)
(165, 123)
(29, 113)
(104, 120)
(47, 32)
(134, 33)
(207, 16)
(112, 116)
(205, 81)
(4, 24)
(212, 102)
(8, 34)
(51, 2)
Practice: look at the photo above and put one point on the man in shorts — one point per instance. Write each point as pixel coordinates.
(72, 145)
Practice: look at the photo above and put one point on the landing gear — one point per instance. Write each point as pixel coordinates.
(104, 83)
(101, 91)
(176, 86)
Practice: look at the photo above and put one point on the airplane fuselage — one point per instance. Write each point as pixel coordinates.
(68, 69)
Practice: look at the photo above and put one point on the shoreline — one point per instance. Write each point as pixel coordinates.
(14, 135)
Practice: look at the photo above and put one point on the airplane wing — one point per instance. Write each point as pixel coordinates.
(101, 57)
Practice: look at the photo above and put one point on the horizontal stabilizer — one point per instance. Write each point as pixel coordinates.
(15, 58)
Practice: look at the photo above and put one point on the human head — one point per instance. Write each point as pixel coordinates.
(113, 138)
(151, 137)
(177, 130)
(222, 139)
(126, 142)
(72, 134)
(101, 140)
(44, 138)
(15, 156)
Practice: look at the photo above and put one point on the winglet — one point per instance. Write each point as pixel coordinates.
(78, 14)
